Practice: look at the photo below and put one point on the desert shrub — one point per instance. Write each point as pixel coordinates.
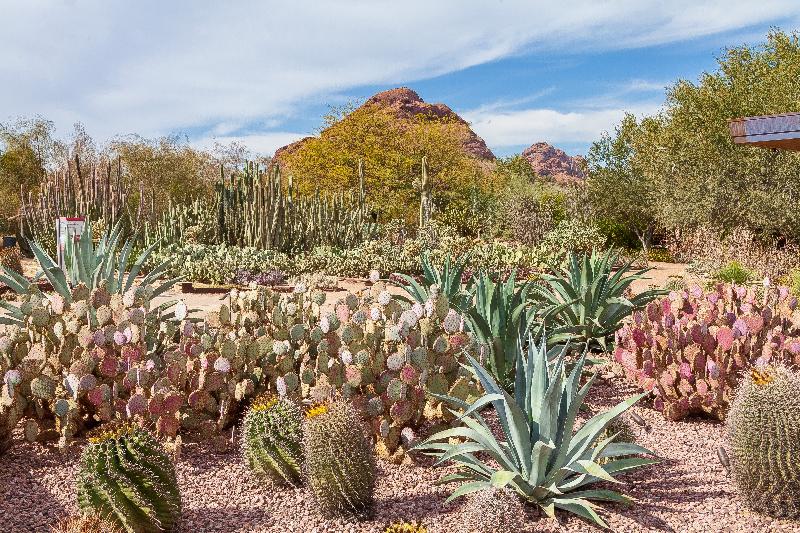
(11, 259)
(390, 151)
(687, 152)
(733, 272)
(763, 256)
(690, 348)
(573, 236)
(660, 254)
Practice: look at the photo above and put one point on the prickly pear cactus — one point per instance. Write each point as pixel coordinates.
(272, 439)
(127, 478)
(691, 347)
(764, 436)
(387, 356)
(340, 465)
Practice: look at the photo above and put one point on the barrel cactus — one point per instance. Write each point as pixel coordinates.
(272, 439)
(127, 478)
(340, 465)
(764, 436)
(405, 527)
(82, 524)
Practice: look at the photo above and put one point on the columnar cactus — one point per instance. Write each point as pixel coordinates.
(272, 439)
(764, 436)
(340, 465)
(126, 477)
(690, 347)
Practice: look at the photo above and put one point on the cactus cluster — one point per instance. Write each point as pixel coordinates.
(388, 355)
(339, 461)
(272, 439)
(690, 347)
(127, 478)
(764, 436)
(84, 359)
(255, 207)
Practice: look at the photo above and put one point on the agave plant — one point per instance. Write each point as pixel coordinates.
(542, 457)
(500, 315)
(89, 265)
(448, 281)
(586, 302)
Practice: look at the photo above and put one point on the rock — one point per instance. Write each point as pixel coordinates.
(553, 163)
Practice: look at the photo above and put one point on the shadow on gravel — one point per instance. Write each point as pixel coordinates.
(221, 520)
(33, 504)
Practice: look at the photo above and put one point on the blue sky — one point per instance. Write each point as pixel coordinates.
(262, 73)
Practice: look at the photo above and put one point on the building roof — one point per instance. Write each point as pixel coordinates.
(768, 131)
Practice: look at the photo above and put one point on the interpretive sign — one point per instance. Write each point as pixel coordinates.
(67, 228)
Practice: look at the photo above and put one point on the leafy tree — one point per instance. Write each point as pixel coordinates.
(618, 189)
(168, 167)
(699, 176)
(391, 150)
(26, 148)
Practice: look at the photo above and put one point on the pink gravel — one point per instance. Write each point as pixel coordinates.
(687, 492)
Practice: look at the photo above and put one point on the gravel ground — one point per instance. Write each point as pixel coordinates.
(688, 491)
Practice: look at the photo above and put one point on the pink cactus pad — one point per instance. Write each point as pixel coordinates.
(167, 425)
(409, 375)
(173, 401)
(137, 405)
(685, 370)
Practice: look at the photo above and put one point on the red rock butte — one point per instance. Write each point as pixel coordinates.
(406, 104)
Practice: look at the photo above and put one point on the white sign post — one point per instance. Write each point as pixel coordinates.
(67, 228)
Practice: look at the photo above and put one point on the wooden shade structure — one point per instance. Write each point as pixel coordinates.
(768, 131)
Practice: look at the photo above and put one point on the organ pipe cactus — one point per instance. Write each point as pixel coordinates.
(690, 348)
(126, 477)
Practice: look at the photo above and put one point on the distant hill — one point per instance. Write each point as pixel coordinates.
(406, 104)
(553, 163)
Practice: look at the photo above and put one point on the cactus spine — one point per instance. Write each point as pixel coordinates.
(764, 436)
(272, 439)
(340, 466)
(128, 478)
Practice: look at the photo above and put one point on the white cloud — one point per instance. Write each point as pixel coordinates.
(155, 67)
(526, 126)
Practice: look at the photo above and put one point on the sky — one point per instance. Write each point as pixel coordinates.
(262, 73)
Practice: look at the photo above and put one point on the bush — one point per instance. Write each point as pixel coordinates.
(733, 272)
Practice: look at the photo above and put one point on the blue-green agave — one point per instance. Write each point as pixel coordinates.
(585, 303)
(500, 315)
(447, 279)
(542, 457)
(91, 266)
